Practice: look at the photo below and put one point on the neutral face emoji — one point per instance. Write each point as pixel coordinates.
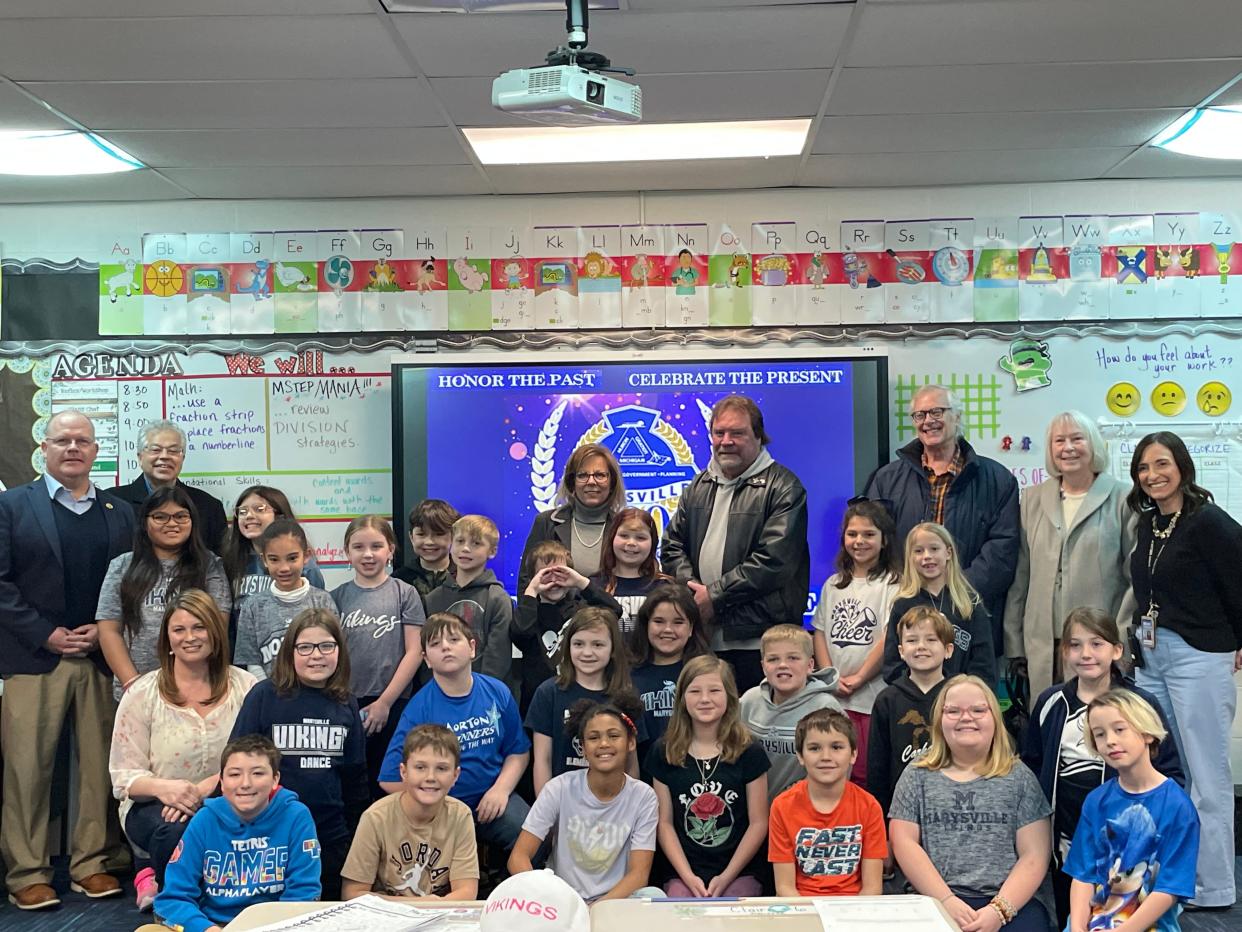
(1168, 398)
(1214, 398)
(1123, 398)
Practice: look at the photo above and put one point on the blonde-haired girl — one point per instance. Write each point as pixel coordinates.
(933, 576)
(710, 777)
(969, 822)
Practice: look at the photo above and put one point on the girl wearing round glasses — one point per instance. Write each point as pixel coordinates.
(306, 709)
(169, 557)
(969, 822)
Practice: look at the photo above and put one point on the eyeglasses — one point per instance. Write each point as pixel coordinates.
(934, 413)
(591, 476)
(326, 648)
(158, 450)
(952, 713)
(180, 517)
(260, 509)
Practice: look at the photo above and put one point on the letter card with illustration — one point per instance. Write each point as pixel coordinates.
(250, 283)
(728, 274)
(864, 264)
(775, 276)
(556, 277)
(908, 295)
(951, 242)
(340, 287)
(164, 302)
(642, 276)
(819, 294)
(599, 277)
(207, 283)
(1087, 292)
(1043, 270)
(513, 291)
(1177, 263)
(685, 249)
(996, 269)
(120, 285)
(469, 271)
(425, 302)
(1129, 261)
(295, 282)
(1221, 289)
(385, 279)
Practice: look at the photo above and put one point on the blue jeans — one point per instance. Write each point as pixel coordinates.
(503, 830)
(1196, 690)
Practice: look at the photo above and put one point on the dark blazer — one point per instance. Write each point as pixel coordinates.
(32, 575)
(212, 522)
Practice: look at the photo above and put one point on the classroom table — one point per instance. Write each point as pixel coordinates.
(260, 914)
(795, 914)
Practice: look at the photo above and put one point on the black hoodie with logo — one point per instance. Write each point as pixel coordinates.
(900, 732)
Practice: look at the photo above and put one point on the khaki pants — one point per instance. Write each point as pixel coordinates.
(31, 718)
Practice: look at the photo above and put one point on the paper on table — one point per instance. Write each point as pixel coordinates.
(879, 914)
(365, 914)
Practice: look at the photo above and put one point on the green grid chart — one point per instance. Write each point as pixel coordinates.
(979, 394)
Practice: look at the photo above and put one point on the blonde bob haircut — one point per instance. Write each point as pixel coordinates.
(1001, 757)
(1076, 421)
(1134, 709)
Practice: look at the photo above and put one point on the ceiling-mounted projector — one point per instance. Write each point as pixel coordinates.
(572, 88)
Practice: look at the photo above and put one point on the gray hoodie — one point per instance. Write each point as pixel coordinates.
(484, 605)
(773, 725)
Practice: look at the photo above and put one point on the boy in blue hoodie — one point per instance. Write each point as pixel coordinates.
(257, 844)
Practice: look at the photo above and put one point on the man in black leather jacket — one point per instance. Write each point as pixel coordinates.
(747, 563)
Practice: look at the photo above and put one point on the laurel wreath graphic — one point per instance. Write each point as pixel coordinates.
(594, 434)
(542, 461)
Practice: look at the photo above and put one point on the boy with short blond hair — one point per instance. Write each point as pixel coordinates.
(901, 718)
(473, 593)
(555, 593)
(418, 843)
(480, 710)
(790, 689)
(825, 834)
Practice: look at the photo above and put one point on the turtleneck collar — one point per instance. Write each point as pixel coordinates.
(586, 514)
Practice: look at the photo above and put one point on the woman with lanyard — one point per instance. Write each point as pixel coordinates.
(1187, 631)
(591, 493)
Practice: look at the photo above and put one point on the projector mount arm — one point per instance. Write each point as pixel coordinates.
(574, 51)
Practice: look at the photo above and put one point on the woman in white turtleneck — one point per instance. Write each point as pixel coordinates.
(591, 493)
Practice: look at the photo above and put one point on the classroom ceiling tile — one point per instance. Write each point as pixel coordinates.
(115, 9)
(923, 132)
(709, 6)
(198, 48)
(644, 176)
(667, 98)
(125, 186)
(755, 39)
(1005, 88)
(17, 111)
(919, 169)
(337, 181)
(430, 145)
(983, 31)
(242, 104)
(1157, 163)
(1231, 97)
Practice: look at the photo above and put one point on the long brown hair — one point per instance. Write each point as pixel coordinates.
(638, 641)
(617, 673)
(203, 608)
(144, 570)
(285, 677)
(650, 568)
(237, 550)
(732, 734)
(569, 478)
(888, 564)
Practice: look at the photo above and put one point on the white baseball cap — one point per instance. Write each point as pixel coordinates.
(535, 901)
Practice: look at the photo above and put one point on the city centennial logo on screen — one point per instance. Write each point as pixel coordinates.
(655, 460)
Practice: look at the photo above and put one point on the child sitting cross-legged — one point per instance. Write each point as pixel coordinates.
(419, 843)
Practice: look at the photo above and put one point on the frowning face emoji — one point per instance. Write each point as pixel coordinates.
(1214, 398)
(1123, 398)
(1169, 399)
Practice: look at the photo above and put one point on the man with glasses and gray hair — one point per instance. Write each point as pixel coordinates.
(939, 477)
(161, 455)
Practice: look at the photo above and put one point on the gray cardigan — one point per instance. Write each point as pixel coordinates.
(1061, 569)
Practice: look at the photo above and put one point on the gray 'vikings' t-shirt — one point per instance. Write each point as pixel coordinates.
(594, 838)
(969, 829)
(142, 643)
(374, 622)
(264, 619)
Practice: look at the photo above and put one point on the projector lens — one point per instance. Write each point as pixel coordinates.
(595, 92)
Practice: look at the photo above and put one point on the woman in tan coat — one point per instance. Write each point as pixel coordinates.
(1077, 535)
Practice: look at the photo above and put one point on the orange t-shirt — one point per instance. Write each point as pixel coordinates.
(827, 848)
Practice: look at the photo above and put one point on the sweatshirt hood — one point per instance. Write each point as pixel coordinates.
(762, 462)
(819, 682)
(907, 686)
(482, 581)
(267, 820)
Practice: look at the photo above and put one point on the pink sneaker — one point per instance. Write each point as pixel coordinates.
(145, 887)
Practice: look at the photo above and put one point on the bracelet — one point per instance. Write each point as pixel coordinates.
(1004, 907)
(948, 896)
(1000, 912)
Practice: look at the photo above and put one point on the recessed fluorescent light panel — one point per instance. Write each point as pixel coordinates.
(57, 152)
(1210, 133)
(646, 142)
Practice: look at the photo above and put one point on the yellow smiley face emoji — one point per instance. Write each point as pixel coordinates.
(1169, 399)
(1123, 398)
(1214, 398)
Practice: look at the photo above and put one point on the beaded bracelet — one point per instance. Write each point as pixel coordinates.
(1004, 908)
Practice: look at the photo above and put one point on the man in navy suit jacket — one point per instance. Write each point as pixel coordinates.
(57, 536)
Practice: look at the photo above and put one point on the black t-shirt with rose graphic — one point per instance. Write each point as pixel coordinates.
(709, 805)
